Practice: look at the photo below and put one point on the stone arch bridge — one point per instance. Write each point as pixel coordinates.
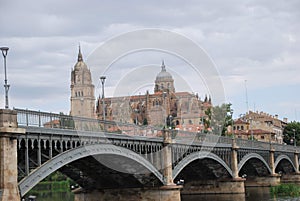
(140, 158)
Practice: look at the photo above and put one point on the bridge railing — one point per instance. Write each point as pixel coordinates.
(252, 144)
(285, 148)
(47, 119)
(31, 118)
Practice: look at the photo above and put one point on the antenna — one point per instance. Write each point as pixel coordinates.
(246, 96)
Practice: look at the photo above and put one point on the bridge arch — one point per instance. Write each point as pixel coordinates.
(78, 153)
(195, 156)
(247, 157)
(282, 157)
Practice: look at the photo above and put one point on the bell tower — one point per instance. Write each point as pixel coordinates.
(82, 90)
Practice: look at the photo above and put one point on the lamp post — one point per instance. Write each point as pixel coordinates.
(136, 116)
(250, 119)
(6, 86)
(165, 107)
(294, 138)
(102, 79)
(231, 113)
(270, 130)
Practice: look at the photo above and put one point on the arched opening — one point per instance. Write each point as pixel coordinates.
(284, 167)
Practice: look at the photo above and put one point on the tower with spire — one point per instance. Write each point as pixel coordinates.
(82, 90)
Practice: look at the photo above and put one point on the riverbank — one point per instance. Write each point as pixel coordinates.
(56, 187)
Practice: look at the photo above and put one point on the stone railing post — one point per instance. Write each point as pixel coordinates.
(167, 158)
(234, 160)
(296, 161)
(8, 155)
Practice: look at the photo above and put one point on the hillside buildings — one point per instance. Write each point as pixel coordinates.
(261, 126)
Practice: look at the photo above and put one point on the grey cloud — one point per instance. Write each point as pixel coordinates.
(246, 39)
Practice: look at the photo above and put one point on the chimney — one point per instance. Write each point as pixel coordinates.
(285, 119)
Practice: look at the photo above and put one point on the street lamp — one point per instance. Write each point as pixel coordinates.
(169, 121)
(231, 113)
(136, 116)
(294, 138)
(251, 129)
(165, 108)
(6, 86)
(102, 79)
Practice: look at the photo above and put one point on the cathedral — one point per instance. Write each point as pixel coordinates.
(165, 106)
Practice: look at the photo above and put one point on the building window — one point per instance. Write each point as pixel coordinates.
(242, 127)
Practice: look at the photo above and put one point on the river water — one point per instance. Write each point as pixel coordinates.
(252, 194)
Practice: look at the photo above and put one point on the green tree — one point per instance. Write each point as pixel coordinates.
(218, 118)
(66, 121)
(288, 133)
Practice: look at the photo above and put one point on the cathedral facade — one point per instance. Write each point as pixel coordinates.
(165, 107)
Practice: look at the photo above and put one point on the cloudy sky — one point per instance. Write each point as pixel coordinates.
(254, 45)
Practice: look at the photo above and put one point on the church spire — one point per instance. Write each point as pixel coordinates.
(79, 55)
(163, 67)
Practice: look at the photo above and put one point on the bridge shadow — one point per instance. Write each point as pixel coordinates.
(98, 166)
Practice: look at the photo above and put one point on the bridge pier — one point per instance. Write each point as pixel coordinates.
(291, 178)
(296, 161)
(229, 186)
(167, 158)
(8, 155)
(234, 160)
(272, 160)
(272, 180)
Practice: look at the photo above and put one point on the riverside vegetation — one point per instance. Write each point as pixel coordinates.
(292, 190)
(54, 187)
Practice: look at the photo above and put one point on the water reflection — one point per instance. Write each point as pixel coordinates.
(252, 194)
(258, 194)
(57, 196)
(221, 197)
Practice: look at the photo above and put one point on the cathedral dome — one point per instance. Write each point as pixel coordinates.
(163, 75)
(164, 81)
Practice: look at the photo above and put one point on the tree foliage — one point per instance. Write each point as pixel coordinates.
(288, 133)
(218, 118)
